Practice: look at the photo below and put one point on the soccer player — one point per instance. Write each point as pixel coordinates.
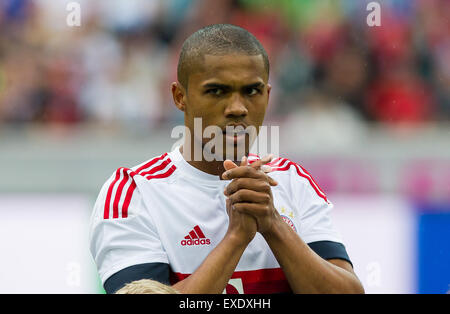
(219, 226)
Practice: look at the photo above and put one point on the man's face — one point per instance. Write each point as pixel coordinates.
(229, 90)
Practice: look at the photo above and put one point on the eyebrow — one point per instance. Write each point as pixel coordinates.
(224, 86)
(216, 85)
(255, 85)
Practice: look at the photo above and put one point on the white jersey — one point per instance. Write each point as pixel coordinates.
(166, 211)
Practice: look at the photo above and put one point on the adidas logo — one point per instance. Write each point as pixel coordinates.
(195, 237)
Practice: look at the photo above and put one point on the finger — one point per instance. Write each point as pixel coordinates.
(262, 165)
(257, 164)
(244, 161)
(266, 168)
(253, 209)
(247, 172)
(267, 158)
(272, 181)
(228, 164)
(243, 172)
(228, 206)
(249, 184)
(249, 196)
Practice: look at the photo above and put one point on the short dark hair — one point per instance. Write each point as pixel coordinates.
(217, 40)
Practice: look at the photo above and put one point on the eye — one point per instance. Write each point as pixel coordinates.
(215, 91)
(251, 91)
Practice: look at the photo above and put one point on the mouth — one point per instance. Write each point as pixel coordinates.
(234, 133)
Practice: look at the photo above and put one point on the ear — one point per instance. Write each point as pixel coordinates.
(269, 88)
(179, 95)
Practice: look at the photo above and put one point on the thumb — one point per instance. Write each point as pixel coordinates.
(228, 164)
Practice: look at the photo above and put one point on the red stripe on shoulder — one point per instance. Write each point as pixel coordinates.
(151, 163)
(161, 175)
(128, 174)
(313, 183)
(286, 164)
(127, 201)
(109, 194)
(163, 165)
(307, 173)
(119, 192)
(132, 187)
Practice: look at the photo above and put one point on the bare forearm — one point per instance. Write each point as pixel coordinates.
(216, 270)
(305, 271)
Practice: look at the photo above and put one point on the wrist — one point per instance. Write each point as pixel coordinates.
(276, 229)
(237, 239)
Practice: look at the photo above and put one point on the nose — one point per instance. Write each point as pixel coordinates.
(236, 107)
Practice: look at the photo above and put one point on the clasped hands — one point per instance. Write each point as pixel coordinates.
(249, 197)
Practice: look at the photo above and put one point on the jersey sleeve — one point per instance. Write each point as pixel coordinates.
(122, 233)
(315, 209)
(316, 227)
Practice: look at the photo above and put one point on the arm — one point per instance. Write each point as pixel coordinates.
(214, 273)
(211, 276)
(306, 272)
(143, 256)
(216, 270)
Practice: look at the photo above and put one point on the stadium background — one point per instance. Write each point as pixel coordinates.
(365, 109)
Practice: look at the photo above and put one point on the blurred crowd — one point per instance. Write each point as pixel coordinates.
(327, 63)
